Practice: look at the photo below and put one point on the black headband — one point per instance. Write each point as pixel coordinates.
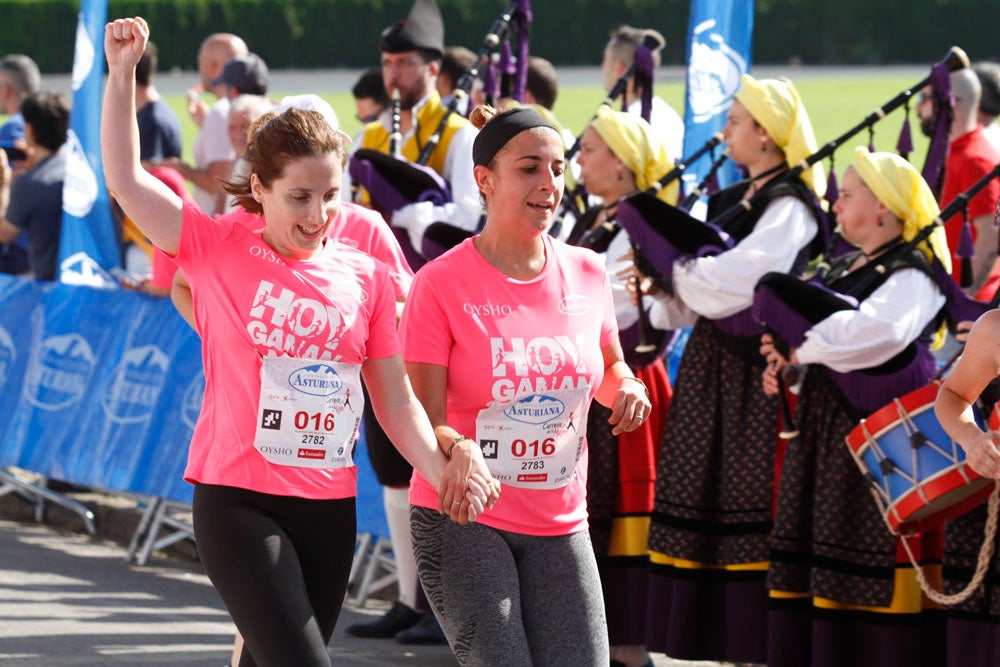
(501, 129)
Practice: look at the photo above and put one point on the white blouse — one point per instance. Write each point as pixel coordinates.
(722, 285)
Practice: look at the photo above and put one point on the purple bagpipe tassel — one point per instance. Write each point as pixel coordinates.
(491, 82)
(832, 189)
(713, 185)
(644, 79)
(904, 146)
(521, 20)
(831, 197)
(506, 69)
(966, 250)
(933, 170)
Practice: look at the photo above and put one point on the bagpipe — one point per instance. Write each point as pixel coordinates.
(917, 472)
(393, 182)
(666, 234)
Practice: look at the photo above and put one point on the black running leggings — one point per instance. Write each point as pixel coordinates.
(280, 565)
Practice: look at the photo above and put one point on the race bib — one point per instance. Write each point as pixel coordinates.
(535, 442)
(309, 412)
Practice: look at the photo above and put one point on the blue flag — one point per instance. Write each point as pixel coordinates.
(719, 49)
(88, 249)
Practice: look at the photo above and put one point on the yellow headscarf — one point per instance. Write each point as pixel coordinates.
(898, 185)
(776, 105)
(633, 142)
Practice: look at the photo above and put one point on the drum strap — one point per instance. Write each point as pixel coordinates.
(985, 556)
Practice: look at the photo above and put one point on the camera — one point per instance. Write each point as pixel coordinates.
(14, 154)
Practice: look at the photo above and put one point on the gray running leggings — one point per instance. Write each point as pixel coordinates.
(509, 599)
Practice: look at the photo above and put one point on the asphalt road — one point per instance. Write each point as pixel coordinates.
(67, 600)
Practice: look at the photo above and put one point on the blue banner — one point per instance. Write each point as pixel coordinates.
(720, 36)
(88, 248)
(109, 386)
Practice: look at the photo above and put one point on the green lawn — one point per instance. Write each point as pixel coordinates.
(835, 106)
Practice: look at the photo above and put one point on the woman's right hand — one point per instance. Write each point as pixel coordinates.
(983, 454)
(125, 41)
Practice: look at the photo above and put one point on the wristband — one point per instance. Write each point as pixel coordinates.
(459, 438)
(635, 379)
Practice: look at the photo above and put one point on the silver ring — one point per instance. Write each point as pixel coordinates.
(457, 502)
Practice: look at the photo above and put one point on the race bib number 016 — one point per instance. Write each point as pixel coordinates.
(309, 412)
(535, 442)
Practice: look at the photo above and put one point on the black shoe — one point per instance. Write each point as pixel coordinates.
(399, 618)
(426, 631)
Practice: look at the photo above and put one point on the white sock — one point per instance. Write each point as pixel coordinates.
(397, 511)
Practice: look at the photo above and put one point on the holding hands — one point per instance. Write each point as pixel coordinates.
(467, 488)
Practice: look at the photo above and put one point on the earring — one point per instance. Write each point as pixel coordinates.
(621, 176)
(881, 223)
(763, 145)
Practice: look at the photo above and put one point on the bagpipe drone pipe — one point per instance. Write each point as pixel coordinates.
(665, 234)
(393, 182)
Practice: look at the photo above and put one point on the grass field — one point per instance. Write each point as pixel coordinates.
(835, 106)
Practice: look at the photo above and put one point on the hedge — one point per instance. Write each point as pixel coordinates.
(344, 33)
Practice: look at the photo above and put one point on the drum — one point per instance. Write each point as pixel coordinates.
(918, 473)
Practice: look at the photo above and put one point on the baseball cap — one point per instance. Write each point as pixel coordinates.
(248, 74)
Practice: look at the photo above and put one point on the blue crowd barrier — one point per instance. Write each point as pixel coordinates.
(103, 389)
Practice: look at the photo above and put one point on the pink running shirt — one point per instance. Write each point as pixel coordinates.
(249, 302)
(502, 338)
(360, 228)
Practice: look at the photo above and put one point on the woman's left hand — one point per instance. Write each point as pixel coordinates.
(631, 406)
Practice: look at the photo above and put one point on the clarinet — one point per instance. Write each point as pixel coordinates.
(396, 137)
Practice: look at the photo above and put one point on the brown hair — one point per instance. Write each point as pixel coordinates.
(482, 114)
(274, 141)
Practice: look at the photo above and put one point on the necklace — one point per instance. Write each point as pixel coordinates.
(754, 187)
(869, 256)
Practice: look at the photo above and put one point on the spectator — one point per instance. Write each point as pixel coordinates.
(970, 157)
(213, 154)
(989, 104)
(456, 61)
(159, 128)
(244, 75)
(370, 98)
(33, 201)
(19, 77)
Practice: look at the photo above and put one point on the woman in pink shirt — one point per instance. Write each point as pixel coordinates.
(290, 322)
(507, 338)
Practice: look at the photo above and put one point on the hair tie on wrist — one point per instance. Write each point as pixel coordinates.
(459, 438)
